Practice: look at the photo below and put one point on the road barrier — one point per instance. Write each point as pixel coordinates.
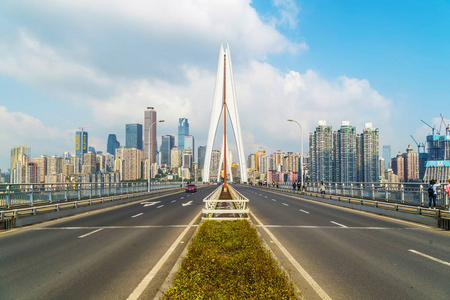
(219, 209)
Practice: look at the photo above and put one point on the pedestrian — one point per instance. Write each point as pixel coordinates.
(432, 193)
(277, 183)
(322, 188)
(294, 185)
(447, 188)
(299, 185)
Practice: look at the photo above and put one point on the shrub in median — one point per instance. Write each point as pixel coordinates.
(226, 261)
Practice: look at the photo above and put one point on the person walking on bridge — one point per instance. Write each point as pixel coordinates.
(432, 193)
(322, 188)
(447, 188)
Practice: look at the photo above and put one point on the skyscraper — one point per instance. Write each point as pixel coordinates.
(81, 143)
(190, 144)
(168, 142)
(112, 145)
(183, 131)
(346, 153)
(321, 149)
(398, 167)
(175, 158)
(411, 164)
(133, 136)
(387, 156)
(201, 156)
(20, 156)
(150, 137)
(371, 148)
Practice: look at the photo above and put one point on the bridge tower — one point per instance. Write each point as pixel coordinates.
(224, 91)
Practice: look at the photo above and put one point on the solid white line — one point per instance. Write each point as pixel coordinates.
(304, 211)
(299, 268)
(148, 278)
(430, 257)
(285, 204)
(160, 206)
(92, 232)
(338, 224)
(137, 215)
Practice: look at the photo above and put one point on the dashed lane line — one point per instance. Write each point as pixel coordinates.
(322, 294)
(304, 211)
(285, 204)
(174, 201)
(430, 257)
(274, 200)
(338, 224)
(135, 216)
(160, 206)
(87, 234)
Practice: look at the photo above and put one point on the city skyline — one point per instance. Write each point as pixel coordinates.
(52, 84)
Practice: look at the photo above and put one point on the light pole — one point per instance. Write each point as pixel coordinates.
(149, 156)
(301, 154)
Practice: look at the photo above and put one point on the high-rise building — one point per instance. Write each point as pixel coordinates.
(112, 145)
(32, 173)
(190, 144)
(150, 137)
(411, 164)
(81, 142)
(321, 149)
(258, 155)
(167, 144)
(371, 150)
(42, 165)
(133, 136)
(187, 159)
(54, 164)
(398, 167)
(175, 158)
(251, 162)
(345, 143)
(201, 156)
(89, 164)
(387, 156)
(183, 131)
(20, 156)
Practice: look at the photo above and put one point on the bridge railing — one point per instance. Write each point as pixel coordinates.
(405, 193)
(237, 208)
(37, 194)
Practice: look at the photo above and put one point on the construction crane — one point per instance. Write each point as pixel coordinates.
(447, 126)
(432, 128)
(419, 145)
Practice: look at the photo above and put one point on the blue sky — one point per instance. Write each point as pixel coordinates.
(65, 64)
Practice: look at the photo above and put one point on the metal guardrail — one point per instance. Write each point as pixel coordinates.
(239, 205)
(418, 210)
(33, 194)
(404, 193)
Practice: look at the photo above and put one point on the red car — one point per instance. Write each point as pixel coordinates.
(191, 188)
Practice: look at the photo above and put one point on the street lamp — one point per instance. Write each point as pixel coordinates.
(149, 155)
(301, 154)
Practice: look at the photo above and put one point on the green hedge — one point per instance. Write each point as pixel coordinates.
(226, 261)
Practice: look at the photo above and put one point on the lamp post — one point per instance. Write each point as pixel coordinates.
(149, 155)
(301, 154)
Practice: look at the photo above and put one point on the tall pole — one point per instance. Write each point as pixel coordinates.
(301, 154)
(224, 123)
(149, 156)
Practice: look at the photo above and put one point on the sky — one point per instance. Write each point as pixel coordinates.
(99, 64)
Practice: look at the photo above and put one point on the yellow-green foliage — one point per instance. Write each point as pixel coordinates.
(226, 261)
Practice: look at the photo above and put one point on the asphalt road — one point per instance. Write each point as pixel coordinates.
(351, 254)
(98, 255)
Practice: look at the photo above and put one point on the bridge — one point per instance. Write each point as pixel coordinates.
(127, 251)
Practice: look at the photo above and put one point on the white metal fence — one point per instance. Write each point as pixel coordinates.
(237, 207)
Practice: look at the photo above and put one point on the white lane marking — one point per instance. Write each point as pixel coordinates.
(430, 257)
(338, 224)
(148, 278)
(137, 215)
(285, 204)
(182, 198)
(274, 200)
(150, 203)
(187, 203)
(174, 201)
(160, 206)
(265, 196)
(92, 232)
(299, 268)
(304, 211)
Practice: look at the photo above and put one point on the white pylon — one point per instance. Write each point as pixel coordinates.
(224, 66)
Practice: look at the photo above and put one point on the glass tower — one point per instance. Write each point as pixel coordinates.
(168, 142)
(133, 136)
(112, 145)
(387, 156)
(183, 131)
